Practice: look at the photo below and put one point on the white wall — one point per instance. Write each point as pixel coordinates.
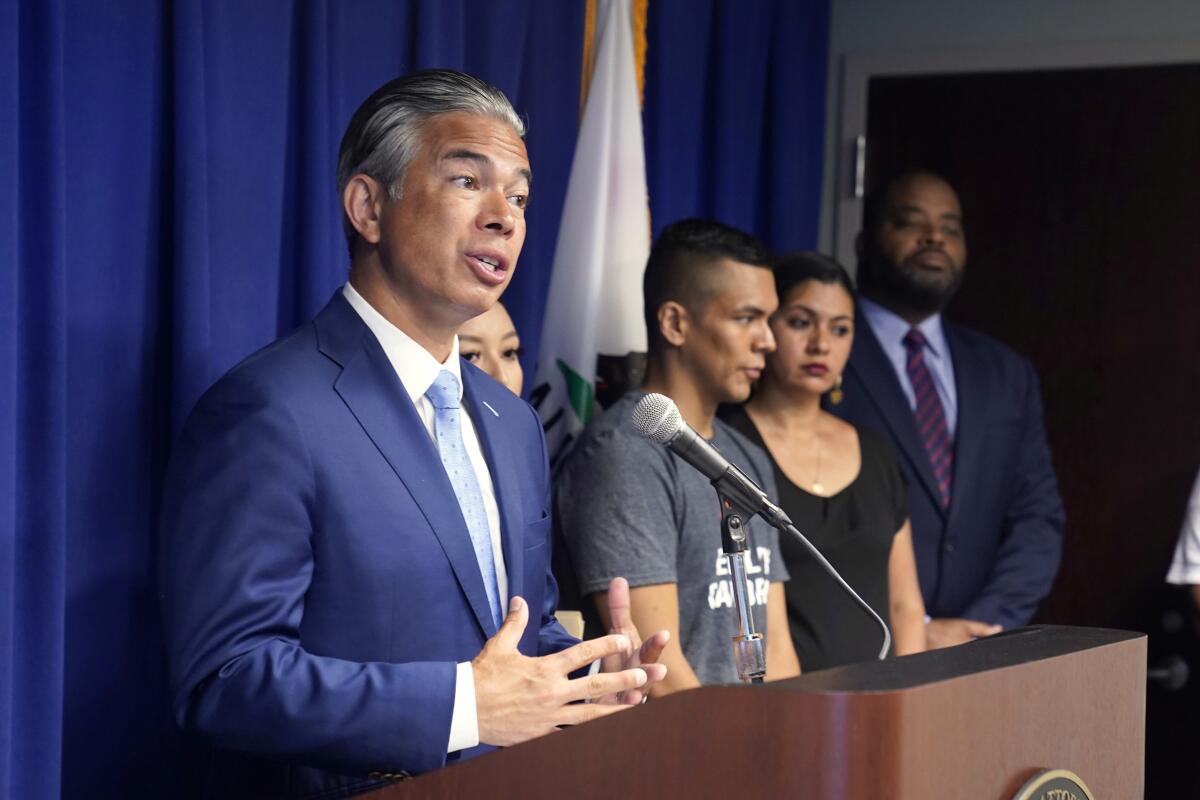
(871, 27)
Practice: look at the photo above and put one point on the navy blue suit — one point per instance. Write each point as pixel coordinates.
(992, 556)
(319, 582)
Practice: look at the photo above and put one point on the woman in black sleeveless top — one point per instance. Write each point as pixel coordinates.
(839, 484)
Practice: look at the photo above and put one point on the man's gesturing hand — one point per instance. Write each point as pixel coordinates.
(518, 697)
(949, 632)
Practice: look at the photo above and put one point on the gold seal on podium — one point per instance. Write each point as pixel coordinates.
(1054, 784)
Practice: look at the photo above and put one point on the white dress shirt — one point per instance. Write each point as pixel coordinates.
(417, 369)
(1185, 567)
(890, 329)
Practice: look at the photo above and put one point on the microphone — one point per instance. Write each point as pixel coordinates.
(657, 417)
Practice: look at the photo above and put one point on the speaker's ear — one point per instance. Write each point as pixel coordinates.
(362, 202)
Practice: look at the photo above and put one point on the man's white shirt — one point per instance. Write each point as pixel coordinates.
(1185, 567)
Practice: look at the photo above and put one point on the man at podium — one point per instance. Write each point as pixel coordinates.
(355, 527)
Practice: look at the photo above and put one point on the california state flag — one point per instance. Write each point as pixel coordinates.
(594, 337)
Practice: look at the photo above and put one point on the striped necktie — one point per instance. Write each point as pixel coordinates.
(930, 416)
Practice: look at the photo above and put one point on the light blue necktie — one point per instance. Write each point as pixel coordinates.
(444, 395)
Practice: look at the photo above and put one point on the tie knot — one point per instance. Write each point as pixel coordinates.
(914, 340)
(443, 393)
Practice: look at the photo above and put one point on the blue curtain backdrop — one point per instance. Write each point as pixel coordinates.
(167, 207)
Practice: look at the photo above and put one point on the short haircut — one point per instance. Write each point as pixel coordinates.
(384, 134)
(793, 269)
(678, 267)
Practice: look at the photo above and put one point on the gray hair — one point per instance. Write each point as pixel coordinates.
(384, 134)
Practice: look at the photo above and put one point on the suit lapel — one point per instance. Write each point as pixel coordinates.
(971, 390)
(369, 387)
(872, 368)
(493, 436)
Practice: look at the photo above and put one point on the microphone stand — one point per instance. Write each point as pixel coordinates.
(738, 496)
(748, 654)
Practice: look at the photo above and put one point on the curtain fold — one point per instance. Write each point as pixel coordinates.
(735, 115)
(167, 206)
(33, 578)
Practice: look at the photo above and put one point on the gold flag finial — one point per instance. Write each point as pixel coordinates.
(638, 22)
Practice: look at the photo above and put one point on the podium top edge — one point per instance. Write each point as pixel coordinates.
(1008, 649)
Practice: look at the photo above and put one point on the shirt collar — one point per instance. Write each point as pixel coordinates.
(414, 365)
(891, 327)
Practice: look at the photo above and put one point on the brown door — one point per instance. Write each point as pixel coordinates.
(1081, 196)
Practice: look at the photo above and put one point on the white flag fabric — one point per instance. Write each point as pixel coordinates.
(594, 305)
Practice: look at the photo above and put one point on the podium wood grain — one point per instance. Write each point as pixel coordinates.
(972, 721)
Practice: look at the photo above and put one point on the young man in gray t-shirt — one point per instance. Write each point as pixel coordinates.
(627, 506)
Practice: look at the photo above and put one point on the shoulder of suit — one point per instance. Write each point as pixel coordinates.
(972, 343)
(278, 366)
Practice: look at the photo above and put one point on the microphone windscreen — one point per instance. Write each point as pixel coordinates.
(657, 417)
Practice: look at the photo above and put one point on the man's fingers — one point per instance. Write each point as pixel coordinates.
(588, 651)
(654, 672)
(946, 632)
(976, 628)
(633, 697)
(586, 712)
(514, 624)
(595, 686)
(618, 605)
(652, 648)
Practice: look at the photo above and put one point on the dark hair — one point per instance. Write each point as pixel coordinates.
(679, 260)
(793, 269)
(384, 134)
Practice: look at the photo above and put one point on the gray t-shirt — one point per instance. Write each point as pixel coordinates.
(629, 507)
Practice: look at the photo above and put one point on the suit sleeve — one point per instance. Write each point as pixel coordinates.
(235, 564)
(552, 637)
(1027, 560)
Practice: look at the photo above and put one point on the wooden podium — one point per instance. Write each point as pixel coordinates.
(975, 721)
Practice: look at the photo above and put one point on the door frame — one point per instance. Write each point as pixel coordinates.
(857, 70)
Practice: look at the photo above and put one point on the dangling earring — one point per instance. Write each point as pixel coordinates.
(837, 395)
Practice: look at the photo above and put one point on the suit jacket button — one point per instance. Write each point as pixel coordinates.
(949, 547)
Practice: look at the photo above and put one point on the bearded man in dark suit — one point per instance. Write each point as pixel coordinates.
(963, 411)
